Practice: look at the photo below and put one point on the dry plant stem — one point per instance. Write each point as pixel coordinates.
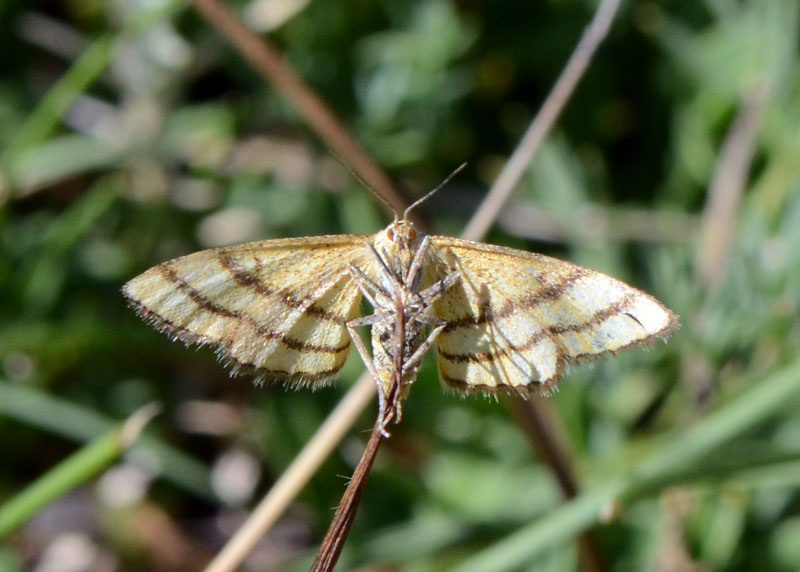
(544, 435)
(592, 222)
(332, 544)
(266, 59)
(727, 186)
(540, 425)
(543, 122)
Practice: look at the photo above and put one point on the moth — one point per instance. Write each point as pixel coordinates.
(501, 319)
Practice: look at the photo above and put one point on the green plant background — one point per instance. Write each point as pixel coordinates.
(132, 133)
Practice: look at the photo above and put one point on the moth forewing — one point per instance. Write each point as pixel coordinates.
(255, 303)
(515, 318)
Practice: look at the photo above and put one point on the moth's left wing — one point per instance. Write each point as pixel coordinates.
(277, 309)
(515, 318)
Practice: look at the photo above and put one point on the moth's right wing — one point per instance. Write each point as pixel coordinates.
(276, 309)
(515, 318)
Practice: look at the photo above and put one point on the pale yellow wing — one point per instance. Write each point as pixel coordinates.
(515, 318)
(276, 309)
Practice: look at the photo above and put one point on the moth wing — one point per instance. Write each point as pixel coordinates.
(277, 309)
(515, 318)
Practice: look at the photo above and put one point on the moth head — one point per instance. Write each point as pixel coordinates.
(401, 231)
(396, 245)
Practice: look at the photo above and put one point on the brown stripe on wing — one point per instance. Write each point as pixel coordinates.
(556, 329)
(514, 390)
(497, 353)
(204, 303)
(167, 326)
(249, 279)
(597, 318)
(531, 300)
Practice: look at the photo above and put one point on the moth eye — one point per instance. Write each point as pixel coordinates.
(412, 234)
(390, 233)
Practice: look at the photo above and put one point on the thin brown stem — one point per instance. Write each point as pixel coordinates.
(544, 433)
(541, 125)
(546, 439)
(266, 59)
(594, 222)
(332, 544)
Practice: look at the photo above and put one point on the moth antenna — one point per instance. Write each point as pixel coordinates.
(425, 197)
(364, 183)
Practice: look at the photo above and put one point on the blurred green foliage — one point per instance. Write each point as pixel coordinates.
(131, 133)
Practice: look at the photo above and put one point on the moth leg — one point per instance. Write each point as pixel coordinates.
(427, 296)
(368, 288)
(384, 411)
(430, 294)
(415, 269)
(387, 413)
(368, 320)
(384, 267)
(367, 359)
(435, 290)
(415, 359)
(396, 414)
